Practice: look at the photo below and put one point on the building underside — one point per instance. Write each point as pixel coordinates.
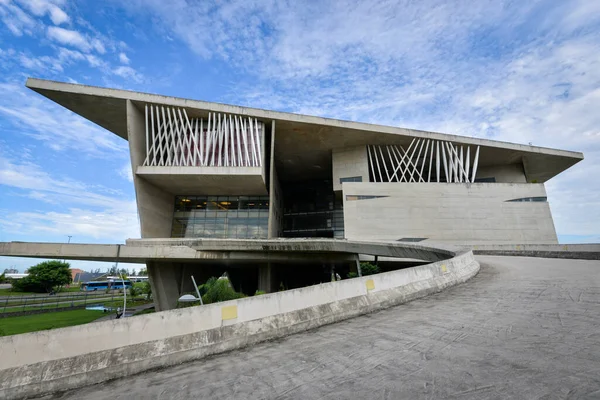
(207, 170)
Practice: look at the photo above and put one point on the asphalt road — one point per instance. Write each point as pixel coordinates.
(523, 328)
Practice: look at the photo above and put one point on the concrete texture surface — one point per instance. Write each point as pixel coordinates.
(523, 328)
(458, 213)
(305, 140)
(45, 362)
(588, 251)
(213, 250)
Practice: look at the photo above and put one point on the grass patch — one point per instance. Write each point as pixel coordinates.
(90, 302)
(40, 322)
(12, 292)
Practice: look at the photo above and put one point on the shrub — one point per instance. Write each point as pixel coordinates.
(366, 268)
(134, 291)
(216, 290)
(259, 292)
(146, 289)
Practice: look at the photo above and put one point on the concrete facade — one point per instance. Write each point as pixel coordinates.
(213, 171)
(510, 173)
(349, 163)
(445, 212)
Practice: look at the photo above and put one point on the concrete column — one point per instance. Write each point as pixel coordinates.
(265, 278)
(165, 284)
(155, 206)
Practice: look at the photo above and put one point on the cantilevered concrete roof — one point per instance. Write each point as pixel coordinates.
(303, 143)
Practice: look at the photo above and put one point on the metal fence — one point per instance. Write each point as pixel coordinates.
(11, 304)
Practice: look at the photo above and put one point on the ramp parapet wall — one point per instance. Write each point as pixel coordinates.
(589, 251)
(38, 363)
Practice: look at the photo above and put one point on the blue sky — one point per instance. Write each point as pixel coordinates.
(526, 71)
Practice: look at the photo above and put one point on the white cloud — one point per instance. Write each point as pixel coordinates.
(16, 20)
(40, 64)
(55, 126)
(126, 173)
(81, 209)
(75, 39)
(42, 7)
(128, 73)
(123, 58)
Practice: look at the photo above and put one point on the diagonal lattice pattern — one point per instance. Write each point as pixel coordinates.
(222, 140)
(393, 163)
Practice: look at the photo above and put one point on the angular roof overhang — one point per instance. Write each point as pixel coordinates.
(303, 143)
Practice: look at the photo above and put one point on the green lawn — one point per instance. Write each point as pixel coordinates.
(91, 302)
(32, 323)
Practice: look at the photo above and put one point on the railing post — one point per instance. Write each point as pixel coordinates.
(25, 303)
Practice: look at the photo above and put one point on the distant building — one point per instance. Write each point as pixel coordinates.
(84, 276)
(15, 276)
(74, 272)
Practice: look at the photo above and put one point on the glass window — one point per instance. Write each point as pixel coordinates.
(351, 179)
(221, 216)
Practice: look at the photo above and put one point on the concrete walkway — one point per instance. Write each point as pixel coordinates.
(523, 328)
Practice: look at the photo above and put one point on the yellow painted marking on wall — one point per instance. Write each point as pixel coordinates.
(370, 284)
(444, 269)
(229, 312)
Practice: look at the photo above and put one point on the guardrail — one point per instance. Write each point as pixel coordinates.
(38, 363)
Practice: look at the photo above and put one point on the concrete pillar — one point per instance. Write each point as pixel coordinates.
(164, 279)
(265, 278)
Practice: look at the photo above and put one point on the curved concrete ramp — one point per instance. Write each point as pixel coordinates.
(209, 250)
(523, 328)
(43, 362)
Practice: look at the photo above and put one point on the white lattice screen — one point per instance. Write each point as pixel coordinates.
(222, 140)
(392, 163)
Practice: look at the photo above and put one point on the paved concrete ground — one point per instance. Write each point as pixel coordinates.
(523, 328)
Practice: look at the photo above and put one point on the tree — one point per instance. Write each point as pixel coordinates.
(113, 271)
(366, 268)
(44, 277)
(146, 289)
(143, 272)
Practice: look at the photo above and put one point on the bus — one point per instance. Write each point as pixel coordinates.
(104, 285)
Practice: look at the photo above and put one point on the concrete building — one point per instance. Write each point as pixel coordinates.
(207, 170)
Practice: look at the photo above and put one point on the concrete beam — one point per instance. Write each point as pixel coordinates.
(305, 140)
(197, 250)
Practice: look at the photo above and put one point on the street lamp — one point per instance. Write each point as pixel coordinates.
(189, 298)
(69, 236)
